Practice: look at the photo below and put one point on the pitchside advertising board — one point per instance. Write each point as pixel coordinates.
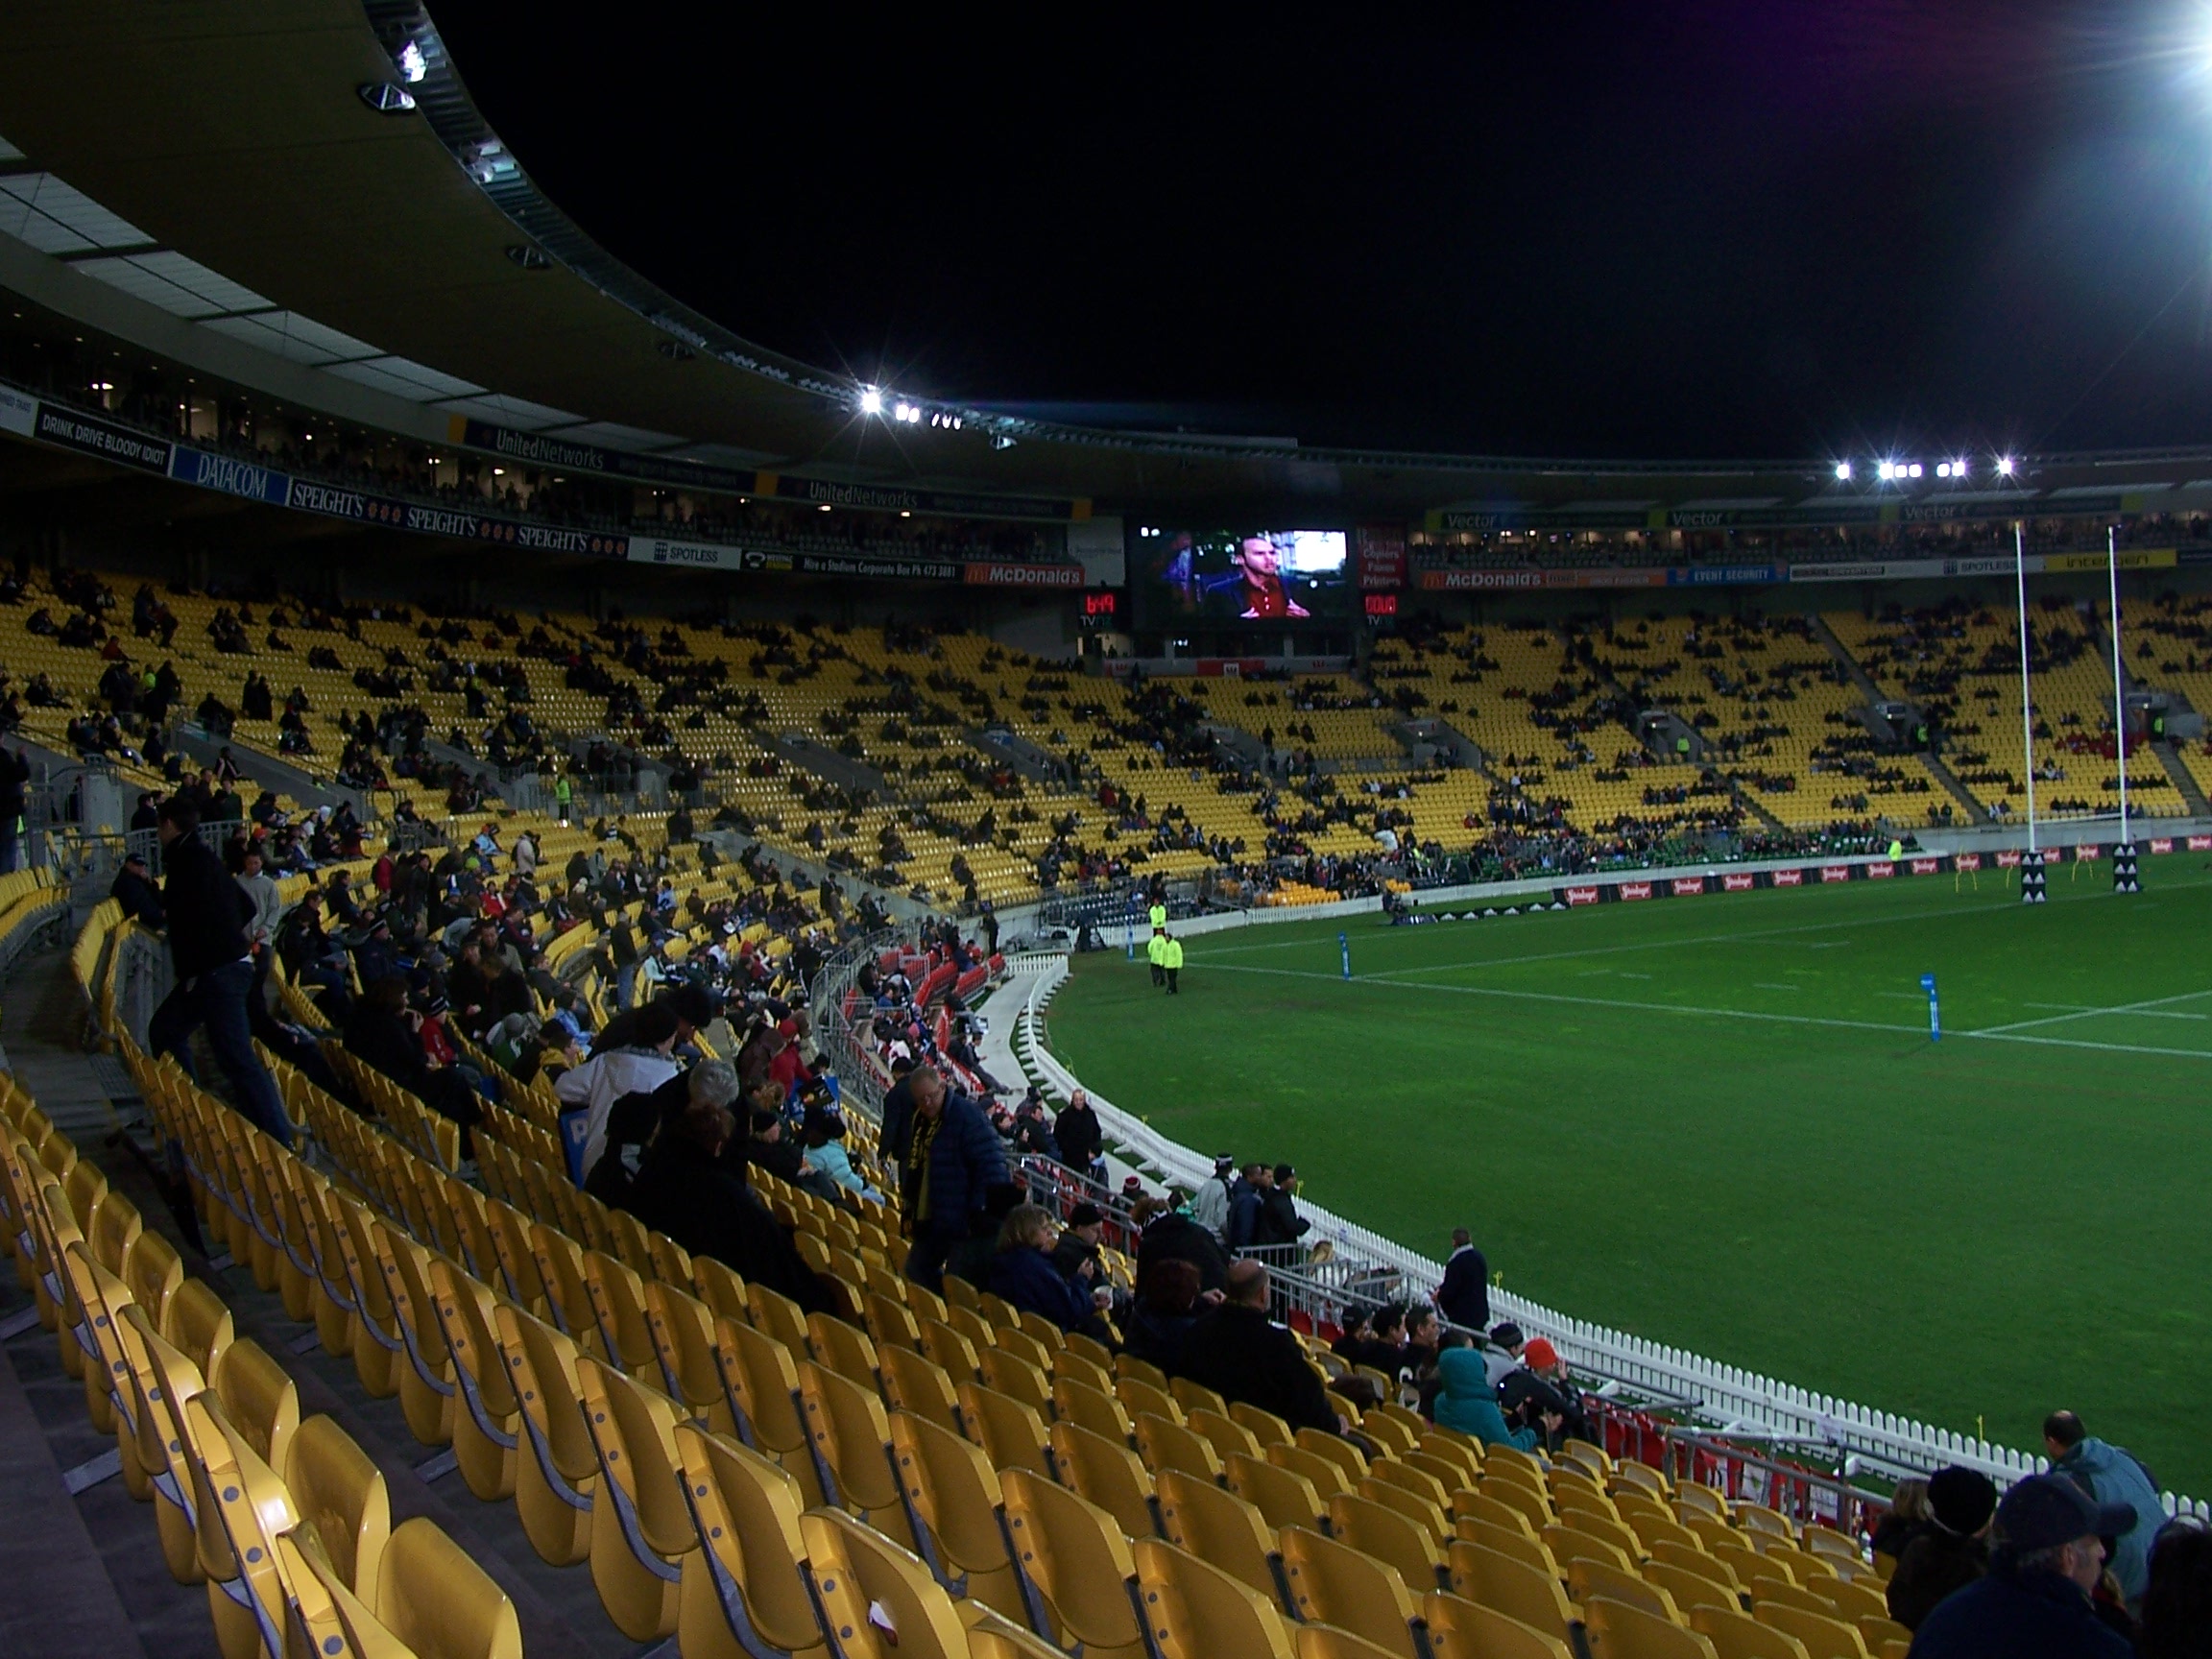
(1636, 889)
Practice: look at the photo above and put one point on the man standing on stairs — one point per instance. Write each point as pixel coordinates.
(209, 916)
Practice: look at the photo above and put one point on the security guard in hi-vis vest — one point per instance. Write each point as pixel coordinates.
(1172, 961)
(1158, 915)
(1155, 948)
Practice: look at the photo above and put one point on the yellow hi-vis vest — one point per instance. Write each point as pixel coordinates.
(1158, 914)
(1155, 947)
(1170, 953)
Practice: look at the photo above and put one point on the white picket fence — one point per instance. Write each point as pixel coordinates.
(1733, 1402)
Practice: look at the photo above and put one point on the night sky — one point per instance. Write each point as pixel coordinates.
(1654, 231)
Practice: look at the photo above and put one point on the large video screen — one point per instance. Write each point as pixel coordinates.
(1222, 577)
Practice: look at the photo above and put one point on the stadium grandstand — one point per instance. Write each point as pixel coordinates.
(575, 1077)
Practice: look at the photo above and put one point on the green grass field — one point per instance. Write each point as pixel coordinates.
(1720, 1123)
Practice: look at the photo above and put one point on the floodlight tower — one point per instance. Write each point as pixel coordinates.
(2124, 876)
(2032, 862)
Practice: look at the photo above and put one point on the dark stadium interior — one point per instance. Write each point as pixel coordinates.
(597, 613)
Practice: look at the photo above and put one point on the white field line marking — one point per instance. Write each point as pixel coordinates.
(1902, 996)
(1580, 1001)
(1768, 985)
(2082, 1042)
(2090, 1013)
(2168, 1014)
(2064, 1007)
(1625, 974)
(1996, 1035)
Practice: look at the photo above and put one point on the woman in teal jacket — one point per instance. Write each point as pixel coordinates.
(1466, 1402)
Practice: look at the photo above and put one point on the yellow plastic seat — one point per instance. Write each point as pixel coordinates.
(1011, 1434)
(1519, 1589)
(1080, 1561)
(1693, 1558)
(199, 1324)
(682, 1329)
(1409, 1546)
(560, 1262)
(438, 1601)
(557, 1466)
(1570, 1542)
(876, 1599)
(1332, 1583)
(746, 1589)
(844, 1349)
(1222, 1529)
(763, 1378)
(1462, 1630)
(618, 1296)
(852, 1439)
(1326, 1475)
(1769, 1590)
(1106, 1473)
(1825, 1637)
(162, 1379)
(259, 1399)
(486, 1428)
(1194, 1610)
(427, 1395)
(640, 1528)
(1017, 1378)
(1421, 1510)
(1587, 1579)
(957, 1509)
(1265, 1426)
(1852, 1602)
(1085, 1408)
(1616, 1630)
(243, 1508)
(1164, 1445)
(913, 1384)
(1138, 1397)
(1224, 1434)
(1736, 1635)
(1690, 1590)
(339, 1492)
(1190, 1396)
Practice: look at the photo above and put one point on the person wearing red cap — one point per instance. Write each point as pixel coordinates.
(1536, 1394)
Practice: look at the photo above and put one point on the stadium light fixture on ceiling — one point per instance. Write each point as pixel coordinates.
(385, 98)
(1843, 472)
(1886, 471)
(870, 400)
(2005, 465)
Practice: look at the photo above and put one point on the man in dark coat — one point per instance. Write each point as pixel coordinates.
(1464, 1298)
(953, 1161)
(1077, 1133)
(1280, 1222)
(1164, 1236)
(1241, 1354)
(2034, 1601)
(208, 913)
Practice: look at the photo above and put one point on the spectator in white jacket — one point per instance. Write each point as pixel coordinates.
(1210, 1204)
(637, 1069)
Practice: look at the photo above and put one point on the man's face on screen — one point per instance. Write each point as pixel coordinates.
(1258, 556)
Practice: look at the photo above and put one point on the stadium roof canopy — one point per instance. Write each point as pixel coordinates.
(300, 197)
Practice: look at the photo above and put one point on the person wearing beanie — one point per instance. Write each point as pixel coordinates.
(1951, 1548)
(1536, 1394)
(1210, 1204)
(2035, 1603)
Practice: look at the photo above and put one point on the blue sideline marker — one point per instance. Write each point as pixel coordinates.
(1934, 1016)
(1344, 945)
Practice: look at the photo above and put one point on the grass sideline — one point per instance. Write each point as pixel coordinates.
(1719, 1123)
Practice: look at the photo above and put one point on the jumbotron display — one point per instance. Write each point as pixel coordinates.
(1224, 577)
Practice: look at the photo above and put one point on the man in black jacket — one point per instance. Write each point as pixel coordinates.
(1241, 1354)
(1280, 1222)
(209, 914)
(1075, 1132)
(1464, 1296)
(1162, 1235)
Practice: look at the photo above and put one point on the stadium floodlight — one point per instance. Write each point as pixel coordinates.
(1914, 469)
(870, 400)
(1843, 472)
(1885, 471)
(1942, 469)
(2005, 465)
(411, 64)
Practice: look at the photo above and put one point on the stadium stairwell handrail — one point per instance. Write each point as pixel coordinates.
(1737, 1403)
